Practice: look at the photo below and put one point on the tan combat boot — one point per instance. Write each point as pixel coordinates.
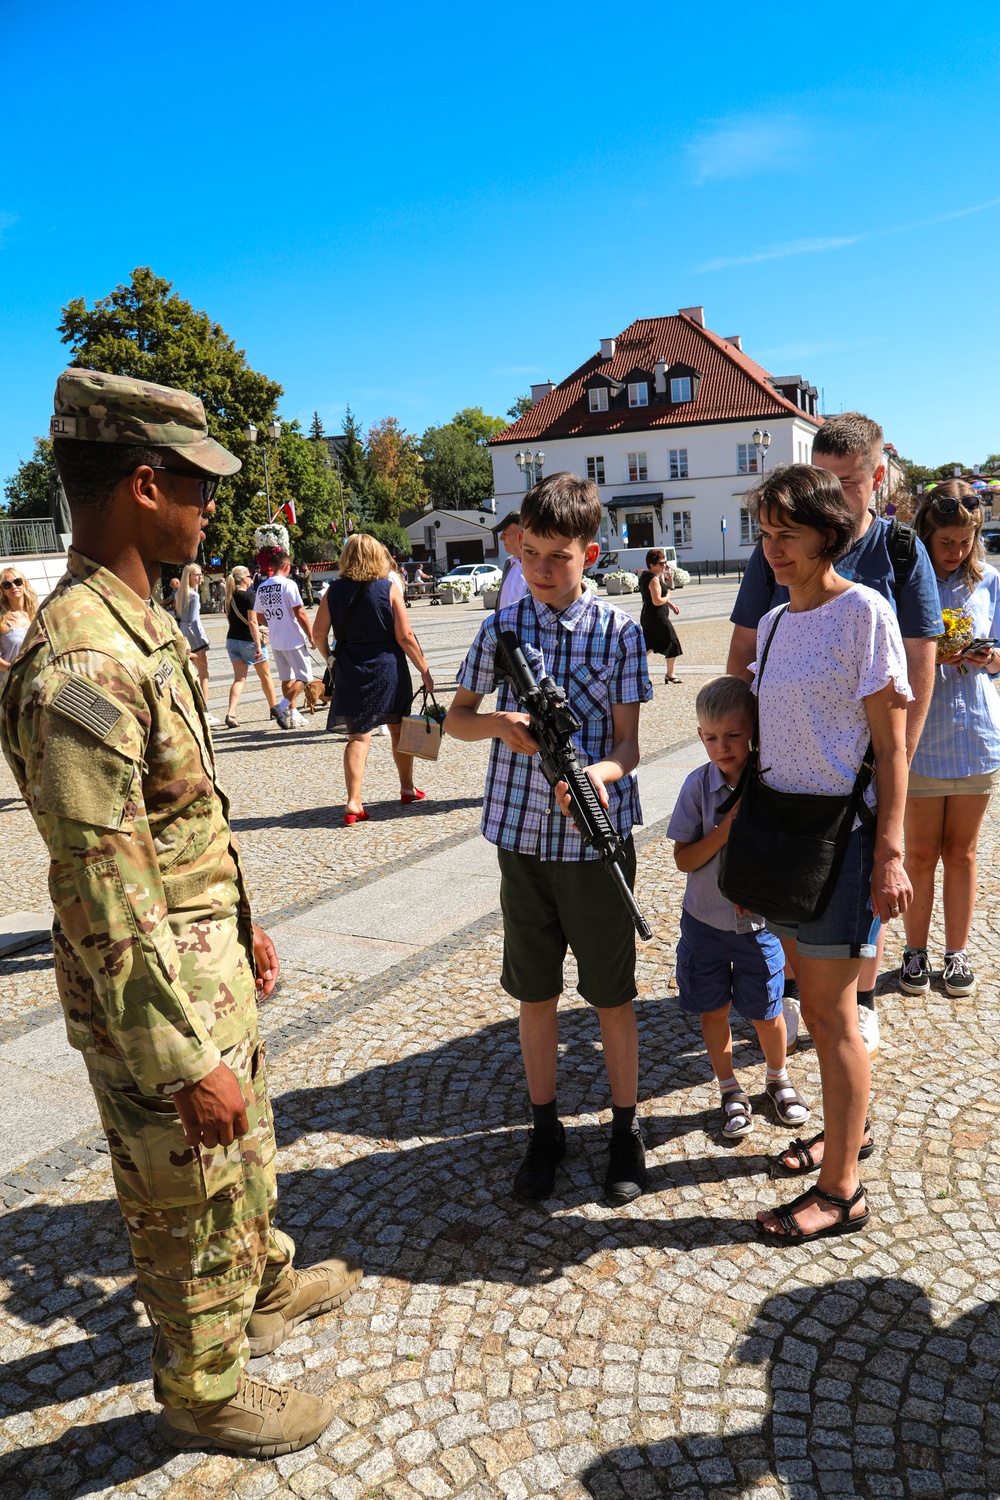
(297, 1296)
(261, 1421)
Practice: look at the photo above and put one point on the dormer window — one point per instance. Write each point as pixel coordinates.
(598, 398)
(638, 393)
(680, 388)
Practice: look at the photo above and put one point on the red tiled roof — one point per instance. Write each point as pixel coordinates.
(733, 386)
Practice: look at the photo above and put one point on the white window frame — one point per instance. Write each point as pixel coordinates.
(598, 397)
(680, 388)
(641, 467)
(680, 529)
(638, 393)
(749, 530)
(595, 467)
(679, 463)
(746, 458)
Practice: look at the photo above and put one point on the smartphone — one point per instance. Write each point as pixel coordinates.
(974, 647)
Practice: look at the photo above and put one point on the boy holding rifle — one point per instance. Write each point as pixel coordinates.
(554, 892)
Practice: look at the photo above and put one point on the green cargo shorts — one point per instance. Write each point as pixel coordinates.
(550, 905)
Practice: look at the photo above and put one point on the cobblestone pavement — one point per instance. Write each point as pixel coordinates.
(569, 1349)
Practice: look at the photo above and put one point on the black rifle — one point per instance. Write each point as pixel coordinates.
(552, 723)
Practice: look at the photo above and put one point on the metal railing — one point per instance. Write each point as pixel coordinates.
(18, 538)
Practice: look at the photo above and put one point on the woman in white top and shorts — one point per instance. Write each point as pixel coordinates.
(835, 677)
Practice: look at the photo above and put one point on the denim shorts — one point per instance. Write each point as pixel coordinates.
(244, 651)
(716, 968)
(844, 928)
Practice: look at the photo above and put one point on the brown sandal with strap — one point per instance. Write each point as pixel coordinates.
(802, 1150)
(785, 1096)
(792, 1232)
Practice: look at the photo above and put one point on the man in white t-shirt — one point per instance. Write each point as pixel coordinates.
(512, 585)
(279, 603)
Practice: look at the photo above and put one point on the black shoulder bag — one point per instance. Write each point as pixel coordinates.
(785, 849)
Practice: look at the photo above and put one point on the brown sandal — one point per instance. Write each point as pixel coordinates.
(784, 1096)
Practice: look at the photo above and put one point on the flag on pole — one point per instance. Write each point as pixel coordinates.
(289, 509)
(333, 527)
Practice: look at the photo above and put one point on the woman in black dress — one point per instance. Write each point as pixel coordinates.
(657, 627)
(367, 614)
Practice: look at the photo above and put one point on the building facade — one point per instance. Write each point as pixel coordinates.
(451, 537)
(662, 418)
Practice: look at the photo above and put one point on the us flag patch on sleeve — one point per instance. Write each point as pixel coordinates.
(78, 700)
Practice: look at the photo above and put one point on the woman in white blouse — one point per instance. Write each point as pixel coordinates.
(835, 677)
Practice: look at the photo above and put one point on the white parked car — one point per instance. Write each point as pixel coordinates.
(480, 575)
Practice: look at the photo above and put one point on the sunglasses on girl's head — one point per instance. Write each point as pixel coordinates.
(948, 507)
(12, 583)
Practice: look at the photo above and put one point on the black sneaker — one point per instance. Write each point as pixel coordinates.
(536, 1176)
(958, 977)
(626, 1175)
(915, 972)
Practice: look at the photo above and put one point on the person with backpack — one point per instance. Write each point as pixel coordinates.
(889, 558)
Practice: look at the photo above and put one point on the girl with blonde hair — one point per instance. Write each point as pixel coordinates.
(187, 603)
(18, 607)
(244, 645)
(366, 611)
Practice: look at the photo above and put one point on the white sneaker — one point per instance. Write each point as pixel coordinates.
(296, 719)
(791, 1009)
(868, 1026)
(383, 729)
(211, 719)
(281, 714)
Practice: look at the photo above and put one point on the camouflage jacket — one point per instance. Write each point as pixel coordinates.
(104, 727)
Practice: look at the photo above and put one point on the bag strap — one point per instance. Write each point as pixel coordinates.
(349, 614)
(903, 552)
(750, 765)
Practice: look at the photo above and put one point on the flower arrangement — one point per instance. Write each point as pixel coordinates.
(460, 586)
(626, 583)
(679, 576)
(269, 539)
(958, 633)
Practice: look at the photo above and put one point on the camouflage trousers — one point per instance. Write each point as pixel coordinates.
(199, 1220)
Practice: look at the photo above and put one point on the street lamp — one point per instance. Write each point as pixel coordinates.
(530, 465)
(273, 434)
(761, 441)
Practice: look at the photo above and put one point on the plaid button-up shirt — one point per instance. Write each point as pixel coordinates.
(597, 656)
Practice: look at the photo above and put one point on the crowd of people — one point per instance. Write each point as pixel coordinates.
(853, 743)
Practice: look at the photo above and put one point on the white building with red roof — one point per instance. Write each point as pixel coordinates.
(662, 417)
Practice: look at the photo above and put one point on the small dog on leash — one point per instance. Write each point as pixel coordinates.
(315, 694)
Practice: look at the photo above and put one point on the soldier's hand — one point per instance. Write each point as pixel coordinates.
(266, 961)
(212, 1111)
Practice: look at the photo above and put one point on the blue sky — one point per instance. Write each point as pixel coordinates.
(412, 209)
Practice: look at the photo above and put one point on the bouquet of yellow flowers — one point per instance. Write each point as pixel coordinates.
(958, 633)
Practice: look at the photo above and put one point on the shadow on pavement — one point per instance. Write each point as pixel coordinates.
(865, 1396)
(85, 1460)
(332, 815)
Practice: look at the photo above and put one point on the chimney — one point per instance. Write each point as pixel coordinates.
(539, 392)
(696, 314)
(607, 349)
(660, 377)
(736, 340)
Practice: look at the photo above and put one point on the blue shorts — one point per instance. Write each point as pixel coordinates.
(844, 929)
(245, 651)
(717, 969)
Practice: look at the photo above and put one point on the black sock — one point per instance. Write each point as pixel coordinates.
(545, 1118)
(622, 1118)
(791, 989)
(867, 999)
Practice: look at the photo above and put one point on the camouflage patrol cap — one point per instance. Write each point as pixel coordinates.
(100, 408)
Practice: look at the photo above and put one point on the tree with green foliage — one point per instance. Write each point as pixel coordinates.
(27, 491)
(394, 465)
(520, 406)
(391, 534)
(457, 467)
(316, 426)
(143, 328)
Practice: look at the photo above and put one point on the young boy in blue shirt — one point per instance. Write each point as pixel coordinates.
(723, 958)
(554, 892)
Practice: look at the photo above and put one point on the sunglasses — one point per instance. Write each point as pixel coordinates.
(208, 485)
(948, 507)
(12, 583)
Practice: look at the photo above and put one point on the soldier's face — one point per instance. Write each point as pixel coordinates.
(184, 516)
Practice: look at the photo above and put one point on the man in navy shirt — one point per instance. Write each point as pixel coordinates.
(895, 564)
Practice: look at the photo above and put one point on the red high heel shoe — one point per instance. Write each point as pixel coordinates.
(415, 796)
(351, 818)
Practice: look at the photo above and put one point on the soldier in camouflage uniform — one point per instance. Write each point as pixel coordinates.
(158, 963)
